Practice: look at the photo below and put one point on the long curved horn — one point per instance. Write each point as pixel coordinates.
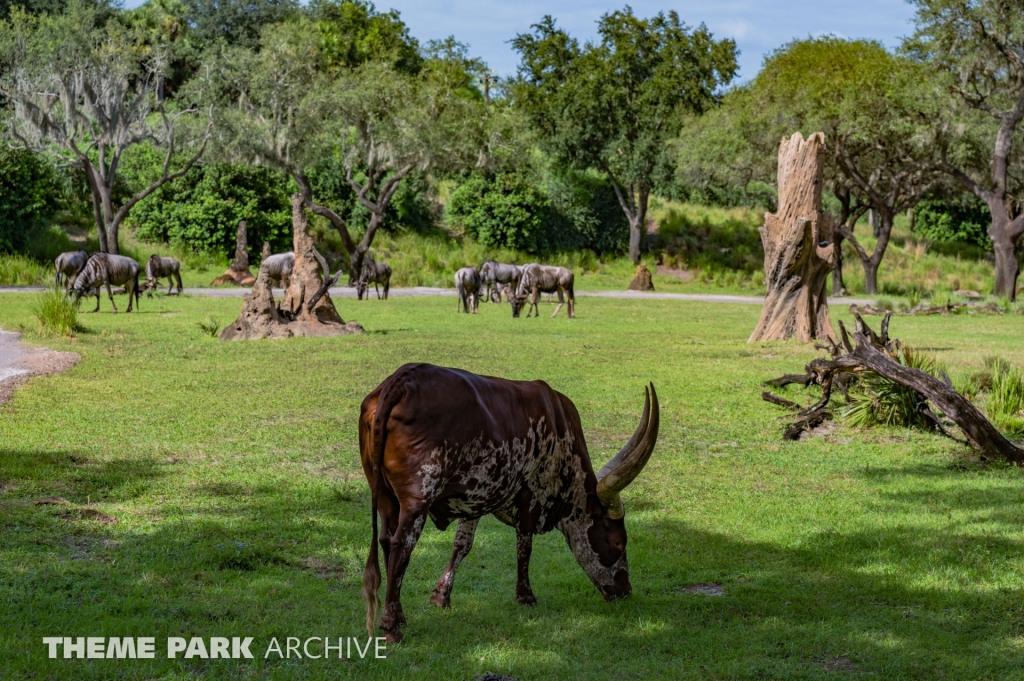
(623, 468)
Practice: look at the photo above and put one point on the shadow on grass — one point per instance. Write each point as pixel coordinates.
(268, 561)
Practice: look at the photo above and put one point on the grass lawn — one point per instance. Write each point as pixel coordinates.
(233, 471)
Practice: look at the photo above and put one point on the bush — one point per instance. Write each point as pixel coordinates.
(502, 211)
(964, 219)
(875, 400)
(29, 196)
(200, 212)
(56, 314)
(563, 211)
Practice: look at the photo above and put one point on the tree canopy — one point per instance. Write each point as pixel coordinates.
(614, 104)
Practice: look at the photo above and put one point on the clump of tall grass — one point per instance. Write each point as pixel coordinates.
(1005, 406)
(210, 326)
(875, 400)
(21, 270)
(56, 314)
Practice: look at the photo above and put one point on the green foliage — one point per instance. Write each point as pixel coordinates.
(209, 326)
(1005, 406)
(29, 196)
(201, 212)
(56, 314)
(692, 237)
(502, 211)
(237, 22)
(20, 270)
(353, 33)
(564, 211)
(963, 219)
(878, 401)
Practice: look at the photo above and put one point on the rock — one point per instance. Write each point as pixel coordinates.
(642, 279)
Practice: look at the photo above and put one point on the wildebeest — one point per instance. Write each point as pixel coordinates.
(158, 268)
(493, 273)
(279, 267)
(449, 444)
(377, 273)
(68, 266)
(539, 279)
(104, 269)
(467, 286)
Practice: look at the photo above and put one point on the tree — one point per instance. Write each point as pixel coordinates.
(236, 22)
(286, 107)
(615, 104)
(353, 33)
(979, 44)
(880, 114)
(82, 95)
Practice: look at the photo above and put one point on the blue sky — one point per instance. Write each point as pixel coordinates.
(758, 27)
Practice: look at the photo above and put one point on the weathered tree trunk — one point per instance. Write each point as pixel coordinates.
(238, 273)
(838, 285)
(299, 313)
(798, 248)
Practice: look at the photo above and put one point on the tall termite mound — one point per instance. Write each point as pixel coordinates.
(262, 317)
(239, 272)
(798, 250)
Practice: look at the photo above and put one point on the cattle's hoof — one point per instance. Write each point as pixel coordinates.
(440, 600)
(526, 599)
(393, 636)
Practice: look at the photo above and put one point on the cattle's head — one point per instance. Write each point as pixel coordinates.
(598, 538)
(517, 301)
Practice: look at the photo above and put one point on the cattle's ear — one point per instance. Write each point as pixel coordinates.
(595, 508)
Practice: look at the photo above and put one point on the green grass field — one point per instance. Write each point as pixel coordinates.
(233, 470)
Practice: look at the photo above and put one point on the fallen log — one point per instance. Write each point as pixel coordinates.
(869, 351)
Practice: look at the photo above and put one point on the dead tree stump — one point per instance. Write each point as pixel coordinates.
(642, 279)
(261, 317)
(238, 273)
(798, 250)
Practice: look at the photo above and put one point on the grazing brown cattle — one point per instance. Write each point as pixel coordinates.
(447, 444)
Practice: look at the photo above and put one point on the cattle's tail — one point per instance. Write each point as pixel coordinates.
(389, 397)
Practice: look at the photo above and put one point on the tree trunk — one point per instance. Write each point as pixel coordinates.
(798, 248)
(636, 235)
(870, 277)
(301, 313)
(239, 272)
(838, 286)
(1005, 234)
(873, 221)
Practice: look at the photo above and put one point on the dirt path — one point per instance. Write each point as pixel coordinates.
(20, 362)
(345, 292)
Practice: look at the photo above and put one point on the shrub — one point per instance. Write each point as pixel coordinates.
(29, 196)
(964, 219)
(875, 400)
(56, 314)
(505, 210)
(200, 212)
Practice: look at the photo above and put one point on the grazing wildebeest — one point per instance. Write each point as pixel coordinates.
(104, 269)
(158, 268)
(68, 266)
(279, 267)
(449, 444)
(539, 279)
(377, 273)
(467, 286)
(493, 273)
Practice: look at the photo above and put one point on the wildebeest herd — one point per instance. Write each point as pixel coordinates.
(519, 285)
